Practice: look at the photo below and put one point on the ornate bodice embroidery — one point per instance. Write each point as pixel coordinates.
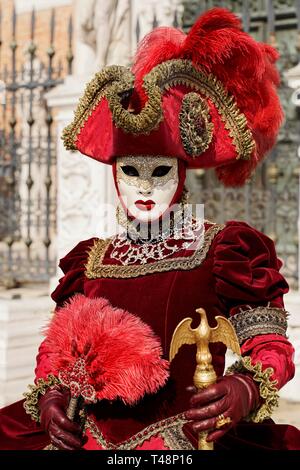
(131, 258)
(126, 252)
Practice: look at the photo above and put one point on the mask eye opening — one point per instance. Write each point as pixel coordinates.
(129, 170)
(161, 170)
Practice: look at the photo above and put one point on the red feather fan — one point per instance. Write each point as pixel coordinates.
(101, 352)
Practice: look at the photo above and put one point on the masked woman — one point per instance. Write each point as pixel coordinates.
(203, 100)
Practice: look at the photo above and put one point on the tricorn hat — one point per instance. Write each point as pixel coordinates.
(208, 98)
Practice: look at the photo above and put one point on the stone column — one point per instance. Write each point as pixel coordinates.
(83, 184)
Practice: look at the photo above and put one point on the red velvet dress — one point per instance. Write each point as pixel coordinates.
(235, 270)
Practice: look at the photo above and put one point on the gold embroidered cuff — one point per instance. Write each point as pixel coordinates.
(259, 321)
(267, 387)
(33, 395)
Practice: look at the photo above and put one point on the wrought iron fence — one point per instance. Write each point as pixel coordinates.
(270, 202)
(28, 157)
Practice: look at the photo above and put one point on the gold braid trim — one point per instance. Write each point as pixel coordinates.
(171, 426)
(32, 397)
(95, 90)
(267, 387)
(95, 267)
(113, 81)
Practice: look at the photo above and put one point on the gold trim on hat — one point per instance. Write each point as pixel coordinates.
(113, 81)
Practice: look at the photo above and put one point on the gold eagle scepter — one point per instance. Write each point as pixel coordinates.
(201, 336)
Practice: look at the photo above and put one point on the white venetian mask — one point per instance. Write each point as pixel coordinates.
(146, 185)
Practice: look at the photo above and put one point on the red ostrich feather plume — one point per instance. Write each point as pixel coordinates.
(216, 44)
(106, 350)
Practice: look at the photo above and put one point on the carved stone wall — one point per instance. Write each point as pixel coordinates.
(146, 15)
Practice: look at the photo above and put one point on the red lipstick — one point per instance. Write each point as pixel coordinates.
(145, 205)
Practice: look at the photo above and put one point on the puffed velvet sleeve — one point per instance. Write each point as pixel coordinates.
(250, 290)
(73, 267)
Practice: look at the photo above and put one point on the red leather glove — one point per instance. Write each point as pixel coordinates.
(234, 396)
(64, 434)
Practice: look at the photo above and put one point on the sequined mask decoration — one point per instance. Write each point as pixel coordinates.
(145, 167)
